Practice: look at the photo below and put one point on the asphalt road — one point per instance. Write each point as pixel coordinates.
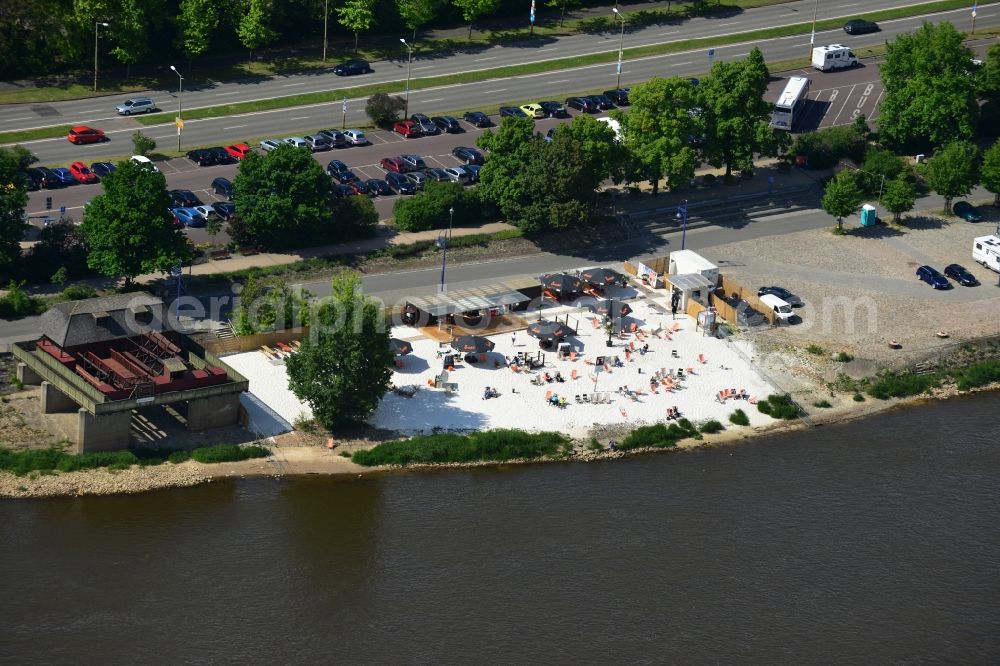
(483, 95)
(472, 58)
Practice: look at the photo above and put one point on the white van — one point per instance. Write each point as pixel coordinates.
(144, 161)
(781, 309)
(834, 56)
(986, 251)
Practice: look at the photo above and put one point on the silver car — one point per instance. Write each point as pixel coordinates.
(298, 142)
(318, 142)
(355, 137)
(457, 174)
(267, 145)
(136, 105)
(417, 178)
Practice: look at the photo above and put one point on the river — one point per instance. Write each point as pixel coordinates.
(873, 542)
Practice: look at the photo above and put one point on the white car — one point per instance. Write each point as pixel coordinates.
(298, 142)
(206, 211)
(355, 137)
(144, 161)
(457, 174)
(267, 145)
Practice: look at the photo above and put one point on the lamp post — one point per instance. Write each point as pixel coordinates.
(682, 214)
(97, 24)
(409, 61)
(326, 18)
(443, 243)
(812, 36)
(180, 91)
(621, 42)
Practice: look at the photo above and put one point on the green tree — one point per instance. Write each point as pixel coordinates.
(13, 160)
(383, 110)
(357, 16)
(735, 115)
(988, 79)
(898, 197)
(128, 228)
(565, 5)
(344, 366)
(282, 198)
(429, 209)
(953, 171)
(880, 166)
(254, 27)
(198, 22)
(930, 97)
(658, 129)
(472, 10)
(842, 197)
(417, 13)
(13, 199)
(143, 144)
(604, 152)
(989, 172)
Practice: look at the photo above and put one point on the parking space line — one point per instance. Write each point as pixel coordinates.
(843, 106)
(439, 162)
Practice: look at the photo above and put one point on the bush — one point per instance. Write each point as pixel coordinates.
(78, 292)
(822, 404)
(843, 357)
(979, 374)
(384, 110)
(890, 384)
(659, 436)
(594, 445)
(879, 162)
(815, 349)
(492, 445)
(712, 426)
(229, 453)
(740, 418)
(59, 244)
(778, 407)
(143, 144)
(859, 397)
(177, 457)
(18, 303)
(825, 147)
(429, 208)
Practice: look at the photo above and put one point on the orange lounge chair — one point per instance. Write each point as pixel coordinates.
(690, 371)
(752, 400)
(607, 368)
(624, 413)
(701, 358)
(572, 356)
(573, 374)
(676, 327)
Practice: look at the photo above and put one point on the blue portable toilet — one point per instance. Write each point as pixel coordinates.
(868, 216)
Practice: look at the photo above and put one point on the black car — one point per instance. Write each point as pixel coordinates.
(183, 199)
(477, 119)
(554, 109)
(400, 184)
(343, 191)
(102, 169)
(224, 187)
(967, 211)
(30, 181)
(933, 278)
(221, 155)
(512, 111)
(378, 187)
(353, 66)
(427, 126)
(336, 137)
(694, 82)
(438, 174)
(224, 209)
(45, 177)
(467, 155)
(583, 104)
(618, 96)
(336, 166)
(201, 157)
(602, 102)
(781, 293)
(960, 275)
(860, 27)
(344, 177)
(447, 124)
(473, 171)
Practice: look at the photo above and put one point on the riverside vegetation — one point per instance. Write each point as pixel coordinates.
(56, 459)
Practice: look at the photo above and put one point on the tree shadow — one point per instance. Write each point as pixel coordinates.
(924, 223)
(875, 232)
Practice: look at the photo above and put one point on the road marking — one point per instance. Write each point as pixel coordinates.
(485, 59)
(234, 92)
(681, 64)
(844, 106)
(490, 92)
(561, 81)
(428, 101)
(853, 4)
(415, 69)
(301, 118)
(43, 212)
(24, 118)
(90, 111)
(233, 127)
(289, 85)
(669, 32)
(550, 48)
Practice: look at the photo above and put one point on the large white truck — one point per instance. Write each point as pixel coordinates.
(790, 106)
(986, 251)
(834, 56)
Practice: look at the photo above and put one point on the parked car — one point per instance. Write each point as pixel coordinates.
(201, 157)
(355, 137)
(406, 129)
(533, 110)
(82, 173)
(345, 177)
(400, 184)
(221, 155)
(583, 104)
(238, 150)
(437, 174)
(336, 138)
(224, 187)
(781, 293)
(512, 112)
(205, 211)
(467, 155)
(619, 96)
(352, 66)
(188, 217)
(960, 275)
(359, 186)
(967, 211)
(226, 210)
(447, 124)
(298, 142)
(473, 171)
(932, 277)
(184, 199)
(427, 126)
(102, 169)
(267, 145)
(318, 142)
(378, 187)
(550, 134)
(413, 162)
(477, 119)
(84, 134)
(457, 174)
(31, 183)
(144, 161)
(336, 166)
(45, 177)
(64, 175)
(603, 102)
(554, 109)
(393, 164)
(136, 105)
(860, 27)
(342, 191)
(694, 82)
(417, 178)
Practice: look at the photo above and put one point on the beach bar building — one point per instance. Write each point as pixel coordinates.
(694, 276)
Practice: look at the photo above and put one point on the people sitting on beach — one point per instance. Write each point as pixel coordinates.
(644, 349)
(673, 413)
(554, 399)
(490, 392)
(618, 363)
(548, 377)
(559, 377)
(744, 395)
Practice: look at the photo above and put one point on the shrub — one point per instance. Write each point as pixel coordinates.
(429, 208)
(493, 445)
(177, 457)
(815, 349)
(890, 384)
(383, 109)
(843, 357)
(822, 404)
(143, 144)
(59, 244)
(740, 418)
(859, 397)
(229, 453)
(979, 374)
(779, 406)
(879, 162)
(658, 436)
(78, 292)
(712, 426)
(18, 303)
(594, 445)
(825, 147)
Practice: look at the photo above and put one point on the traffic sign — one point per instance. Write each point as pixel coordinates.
(179, 122)
(345, 105)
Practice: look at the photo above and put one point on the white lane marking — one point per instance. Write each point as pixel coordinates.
(289, 85)
(428, 101)
(91, 111)
(669, 32)
(234, 92)
(300, 118)
(550, 48)
(560, 81)
(233, 127)
(43, 212)
(165, 136)
(485, 59)
(681, 64)
(853, 4)
(490, 92)
(22, 118)
(416, 69)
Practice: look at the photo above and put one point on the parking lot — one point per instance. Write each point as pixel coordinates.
(835, 98)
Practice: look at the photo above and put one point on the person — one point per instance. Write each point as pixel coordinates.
(548, 377)
(559, 377)
(613, 445)
(645, 348)
(675, 301)
(486, 393)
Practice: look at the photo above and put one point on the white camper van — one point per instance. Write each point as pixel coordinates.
(781, 309)
(789, 107)
(834, 56)
(986, 251)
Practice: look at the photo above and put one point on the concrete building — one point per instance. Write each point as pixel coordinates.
(103, 358)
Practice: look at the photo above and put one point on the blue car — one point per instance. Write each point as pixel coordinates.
(473, 171)
(64, 175)
(189, 217)
(932, 277)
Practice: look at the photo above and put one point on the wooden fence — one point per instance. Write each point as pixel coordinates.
(245, 343)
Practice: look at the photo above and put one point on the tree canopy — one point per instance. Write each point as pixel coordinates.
(254, 28)
(898, 197)
(990, 171)
(13, 199)
(472, 10)
(953, 171)
(842, 197)
(357, 16)
(417, 13)
(197, 22)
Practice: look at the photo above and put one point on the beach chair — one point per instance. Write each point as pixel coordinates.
(586, 397)
(676, 327)
(680, 373)
(573, 374)
(576, 398)
(631, 345)
(673, 352)
(752, 400)
(607, 368)
(595, 323)
(690, 371)
(633, 327)
(548, 396)
(701, 358)
(450, 387)
(515, 368)
(283, 347)
(588, 361)
(624, 413)
(572, 356)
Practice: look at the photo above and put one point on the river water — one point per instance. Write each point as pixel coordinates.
(874, 542)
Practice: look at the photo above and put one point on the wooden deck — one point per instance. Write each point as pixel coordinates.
(503, 324)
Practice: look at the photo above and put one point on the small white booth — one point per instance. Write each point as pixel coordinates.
(692, 275)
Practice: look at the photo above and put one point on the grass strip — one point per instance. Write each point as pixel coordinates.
(490, 445)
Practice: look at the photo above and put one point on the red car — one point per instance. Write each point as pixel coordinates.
(82, 173)
(393, 164)
(84, 134)
(407, 128)
(239, 150)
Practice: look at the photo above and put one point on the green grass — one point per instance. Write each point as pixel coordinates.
(491, 445)
(660, 436)
(711, 426)
(228, 453)
(822, 404)
(815, 349)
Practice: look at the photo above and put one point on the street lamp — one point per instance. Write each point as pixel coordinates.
(409, 61)
(443, 242)
(621, 41)
(812, 36)
(180, 91)
(326, 18)
(682, 214)
(96, 25)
